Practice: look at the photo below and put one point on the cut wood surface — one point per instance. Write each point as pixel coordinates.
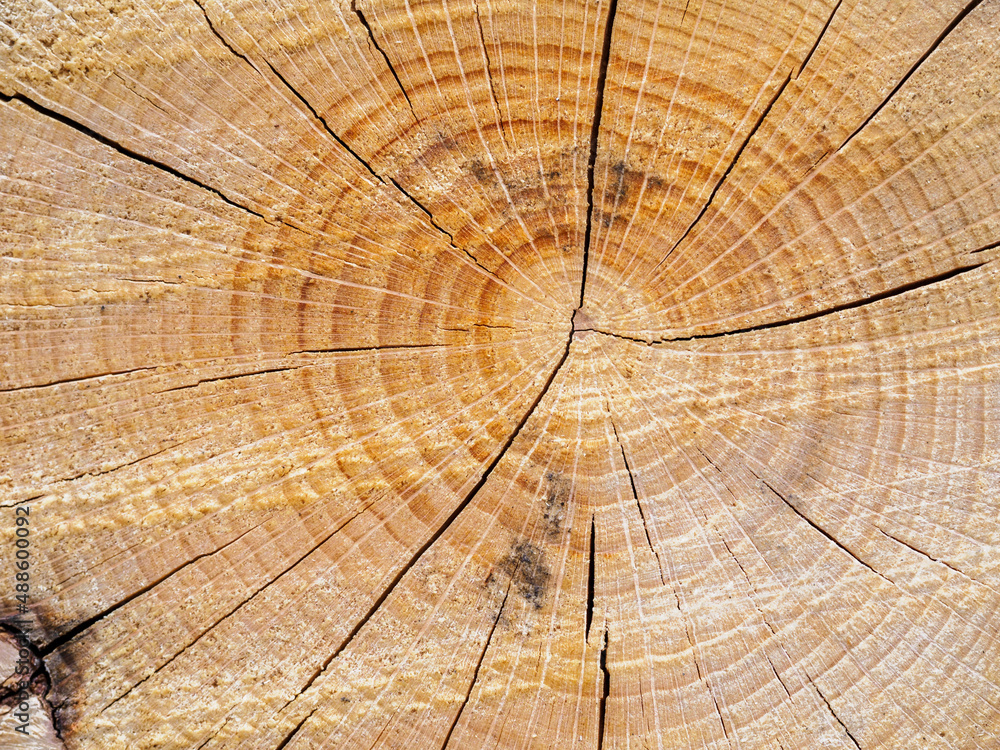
(502, 374)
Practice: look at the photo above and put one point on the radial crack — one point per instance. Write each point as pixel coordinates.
(220, 37)
(933, 559)
(589, 617)
(125, 151)
(388, 62)
(605, 692)
(125, 465)
(340, 141)
(137, 92)
(823, 531)
(704, 677)
(913, 68)
(729, 169)
(635, 496)
(763, 617)
(991, 246)
(79, 379)
(750, 586)
(718, 710)
(822, 33)
(489, 71)
(624, 337)
(69, 635)
(326, 126)
(215, 733)
(441, 529)
(235, 609)
(853, 305)
(834, 713)
(147, 281)
(357, 349)
(230, 377)
(475, 674)
(887, 294)
(365, 163)
(295, 730)
(778, 676)
(23, 501)
(594, 133)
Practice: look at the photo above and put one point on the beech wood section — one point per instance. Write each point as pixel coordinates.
(489, 374)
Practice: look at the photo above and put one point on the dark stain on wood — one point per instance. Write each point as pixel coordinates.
(556, 499)
(524, 566)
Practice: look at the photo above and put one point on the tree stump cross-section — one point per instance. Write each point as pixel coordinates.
(500, 374)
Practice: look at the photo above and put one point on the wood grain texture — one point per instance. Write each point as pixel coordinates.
(488, 373)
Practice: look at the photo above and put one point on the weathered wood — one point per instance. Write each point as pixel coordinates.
(477, 373)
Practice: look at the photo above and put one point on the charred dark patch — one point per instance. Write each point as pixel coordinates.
(524, 566)
(30, 675)
(556, 499)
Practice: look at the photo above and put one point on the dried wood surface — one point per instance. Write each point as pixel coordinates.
(480, 373)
